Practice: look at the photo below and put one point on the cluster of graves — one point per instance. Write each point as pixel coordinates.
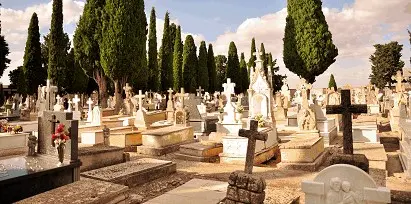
(298, 130)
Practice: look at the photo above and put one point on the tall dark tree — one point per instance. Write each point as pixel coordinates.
(123, 44)
(385, 62)
(332, 83)
(264, 58)
(221, 70)
(4, 52)
(166, 56)
(17, 80)
(153, 81)
(233, 66)
(251, 62)
(409, 33)
(178, 61)
(243, 74)
(211, 69)
(202, 74)
(33, 71)
(79, 78)
(190, 64)
(87, 48)
(277, 79)
(173, 32)
(57, 48)
(308, 46)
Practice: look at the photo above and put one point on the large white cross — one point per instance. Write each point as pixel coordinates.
(76, 100)
(199, 91)
(58, 99)
(90, 112)
(228, 88)
(127, 89)
(140, 97)
(182, 96)
(69, 105)
(89, 103)
(50, 90)
(170, 94)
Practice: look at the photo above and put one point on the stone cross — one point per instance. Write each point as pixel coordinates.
(257, 52)
(399, 87)
(346, 109)
(182, 95)
(199, 91)
(140, 97)
(58, 99)
(50, 90)
(76, 100)
(252, 136)
(69, 109)
(53, 125)
(304, 87)
(89, 115)
(170, 93)
(228, 88)
(127, 89)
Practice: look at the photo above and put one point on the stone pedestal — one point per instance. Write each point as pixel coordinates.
(373, 108)
(327, 129)
(394, 119)
(365, 133)
(245, 188)
(292, 121)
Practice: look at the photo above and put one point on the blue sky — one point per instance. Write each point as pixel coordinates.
(356, 25)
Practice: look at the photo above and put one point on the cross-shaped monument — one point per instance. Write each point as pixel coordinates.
(53, 125)
(90, 111)
(76, 100)
(228, 88)
(258, 54)
(199, 91)
(252, 136)
(346, 109)
(69, 105)
(128, 89)
(182, 95)
(140, 97)
(50, 91)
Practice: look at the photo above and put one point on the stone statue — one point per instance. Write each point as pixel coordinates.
(334, 195)
(32, 145)
(307, 120)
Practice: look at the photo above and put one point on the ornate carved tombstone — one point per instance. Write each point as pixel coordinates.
(343, 183)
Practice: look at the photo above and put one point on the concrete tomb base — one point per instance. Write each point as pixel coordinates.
(165, 140)
(204, 151)
(128, 140)
(94, 157)
(83, 191)
(133, 173)
(97, 137)
(303, 153)
(13, 143)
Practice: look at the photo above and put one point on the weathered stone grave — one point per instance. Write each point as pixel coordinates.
(342, 183)
(203, 151)
(13, 143)
(201, 122)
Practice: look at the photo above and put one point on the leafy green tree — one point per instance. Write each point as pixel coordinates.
(385, 62)
(332, 82)
(221, 70)
(251, 62)
(57, 47)
(79, 78)
(190, 64)
(243, 74)
(122, 47)
(233, 66)
(33, 71)
(202, 74)
(4, 51)
(178, 61)
(166, 56)
(277, 79)
(308, 46)
(153, 81)
(17, 80)
(1, 94)
(87, 48)
(211, 66)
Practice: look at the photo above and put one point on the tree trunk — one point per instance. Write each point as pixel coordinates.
(102, 87)
(117, 94)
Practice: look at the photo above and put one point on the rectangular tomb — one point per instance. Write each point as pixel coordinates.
(365, 133)
(128, 140)
(11, 143)
(133, 173)
(97, 137)
(302, 149)
(167, 136)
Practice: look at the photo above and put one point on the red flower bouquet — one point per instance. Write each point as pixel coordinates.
(60, 137)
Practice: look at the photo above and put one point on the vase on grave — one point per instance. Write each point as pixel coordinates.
(60, 152)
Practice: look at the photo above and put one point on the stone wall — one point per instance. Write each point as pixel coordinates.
(245, 188)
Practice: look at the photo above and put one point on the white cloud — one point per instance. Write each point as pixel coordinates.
(355, 29)
(15, 24)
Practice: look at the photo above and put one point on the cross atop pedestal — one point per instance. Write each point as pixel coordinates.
(182, 95)
(346, 109)
(69, 105)
(228, 88)
(252, 136)
(140, 97)
(58, 99)
(199, 91)
(170, 93)
(53, 125)
(76, 100)
(127, 89)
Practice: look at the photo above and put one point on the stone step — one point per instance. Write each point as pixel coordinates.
(202, 149)
(133, 173)
(212, 159)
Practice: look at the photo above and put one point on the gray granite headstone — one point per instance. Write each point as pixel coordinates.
(45, 132)
(191, 104)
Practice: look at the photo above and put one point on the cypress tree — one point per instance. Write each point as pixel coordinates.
(123, 42)
(57, 48)
(153, 81)
(243, 74)
(308, 46)
(4, 51)
(178, 61)
(173, 32)
(87, 48)
(264, 58)
(251, 62)
(221, 70)
(79, 78)
(189, 64)
(233, 66)
(166, 57)
(32, 69)
(332, 82)
(202, 74)
(211, 69)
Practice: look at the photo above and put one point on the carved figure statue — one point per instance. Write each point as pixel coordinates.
(307, 119)
(334, 195)
(32, 145)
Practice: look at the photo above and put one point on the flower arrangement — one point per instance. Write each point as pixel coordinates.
(3, 126)
(259, 118)
(60, 137)
(240, 109)
(17, 129)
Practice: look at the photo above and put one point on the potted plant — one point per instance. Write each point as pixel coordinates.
(239, 112)
(259, 118)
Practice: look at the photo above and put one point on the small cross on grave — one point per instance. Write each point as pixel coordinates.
(53, 125)
(228, 88)
(199, 91)
(252, 136)
(140, 97)
(182, 96)
(69, 105)
(58, 99)
(170, 94)
(346, 109)
(76, 100)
